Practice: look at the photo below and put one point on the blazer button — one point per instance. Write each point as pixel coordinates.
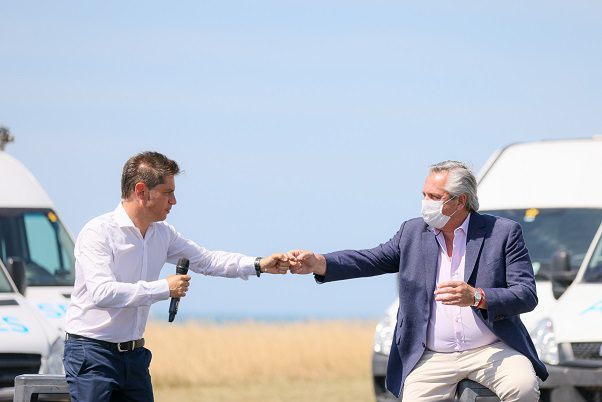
(423, 345)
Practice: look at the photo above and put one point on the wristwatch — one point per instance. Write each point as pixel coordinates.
(257, 266)
(477, 298)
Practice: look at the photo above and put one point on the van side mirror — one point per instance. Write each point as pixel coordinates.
(16, 269)
(561, 275)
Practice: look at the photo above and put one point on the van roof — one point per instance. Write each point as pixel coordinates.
(20, 189)
(543, 174)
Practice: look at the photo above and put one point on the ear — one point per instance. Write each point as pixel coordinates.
(140, 191)
(463, 199)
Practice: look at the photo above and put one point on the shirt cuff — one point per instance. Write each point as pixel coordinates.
(246, 267)
(159, 290)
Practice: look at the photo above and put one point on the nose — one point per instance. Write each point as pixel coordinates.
(172, 200)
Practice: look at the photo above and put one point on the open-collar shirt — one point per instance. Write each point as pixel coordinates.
(117, 274)
(454, 328)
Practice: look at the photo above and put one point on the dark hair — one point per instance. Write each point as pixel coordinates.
(147, 167)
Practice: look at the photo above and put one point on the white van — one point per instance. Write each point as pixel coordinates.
(32, 233)
(29, 344)
(552, 188)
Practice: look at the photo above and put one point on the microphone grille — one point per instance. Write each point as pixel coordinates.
(183, 262)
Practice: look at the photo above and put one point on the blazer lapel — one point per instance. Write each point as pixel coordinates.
(474, 243)
(430, 256)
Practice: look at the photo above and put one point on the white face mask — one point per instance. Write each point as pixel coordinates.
(432, 213)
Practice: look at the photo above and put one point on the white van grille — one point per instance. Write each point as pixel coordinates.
(587, 350)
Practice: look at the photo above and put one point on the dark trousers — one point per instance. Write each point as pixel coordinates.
(98, 373)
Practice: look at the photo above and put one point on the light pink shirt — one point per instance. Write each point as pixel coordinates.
(453, 328)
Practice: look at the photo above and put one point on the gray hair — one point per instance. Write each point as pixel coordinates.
(460, 180)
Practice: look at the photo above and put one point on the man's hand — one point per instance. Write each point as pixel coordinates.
(306, 262)
(178, 285)
(455, 293)
(275, 264)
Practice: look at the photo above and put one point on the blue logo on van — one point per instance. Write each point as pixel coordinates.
(12, 324)
(51, 310)
(594, 307)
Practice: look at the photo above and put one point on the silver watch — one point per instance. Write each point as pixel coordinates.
(477, 297)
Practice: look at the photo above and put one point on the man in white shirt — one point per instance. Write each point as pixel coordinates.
(119, 256)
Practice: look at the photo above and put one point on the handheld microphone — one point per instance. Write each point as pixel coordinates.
(181, 269)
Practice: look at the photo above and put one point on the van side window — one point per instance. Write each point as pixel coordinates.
(4, 285)
(593, 272)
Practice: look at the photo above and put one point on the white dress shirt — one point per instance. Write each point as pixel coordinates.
(117, 274)
(454, 328)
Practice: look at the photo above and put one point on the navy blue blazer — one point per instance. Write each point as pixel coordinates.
(497, 260)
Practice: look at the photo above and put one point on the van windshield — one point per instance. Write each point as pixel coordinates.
(37, 237)
(593, 273)
(549, 230)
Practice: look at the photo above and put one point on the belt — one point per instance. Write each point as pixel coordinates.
(120, 347)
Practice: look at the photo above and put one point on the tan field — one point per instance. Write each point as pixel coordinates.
(298, 362)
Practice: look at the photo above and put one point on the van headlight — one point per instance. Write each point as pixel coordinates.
(53, 363)
(545, 341)
(383, 338)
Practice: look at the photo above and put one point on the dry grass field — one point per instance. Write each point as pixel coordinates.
(318, 361)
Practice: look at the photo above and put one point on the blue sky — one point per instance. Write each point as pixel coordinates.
(299, 123)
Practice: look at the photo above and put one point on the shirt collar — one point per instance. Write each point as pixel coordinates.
(463, 226)
(121, 217)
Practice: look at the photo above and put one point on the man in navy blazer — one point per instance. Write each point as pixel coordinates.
(464, 278)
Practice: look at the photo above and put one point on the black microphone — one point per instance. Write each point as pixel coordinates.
(181, 269)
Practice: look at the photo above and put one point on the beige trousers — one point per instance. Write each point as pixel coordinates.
(497, 366)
